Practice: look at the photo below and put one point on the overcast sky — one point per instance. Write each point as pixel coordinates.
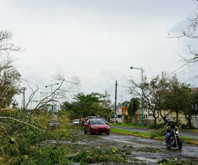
(97, 40)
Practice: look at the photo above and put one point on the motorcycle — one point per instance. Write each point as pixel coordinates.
(175, 140)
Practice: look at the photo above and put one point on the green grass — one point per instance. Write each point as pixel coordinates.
(128, 125)
(191, 130)
(186, 138)
(128, 132)
(142, 134)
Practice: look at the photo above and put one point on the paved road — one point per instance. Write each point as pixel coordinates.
(146, 151)
(183, 133)
(141, 150)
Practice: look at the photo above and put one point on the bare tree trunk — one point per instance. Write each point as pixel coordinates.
(177, 117)
(155, 117)
(155, 120)
(189, 119)
(31, 96)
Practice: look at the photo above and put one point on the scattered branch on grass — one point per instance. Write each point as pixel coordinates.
(5, 130)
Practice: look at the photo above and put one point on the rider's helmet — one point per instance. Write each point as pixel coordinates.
(170, 121)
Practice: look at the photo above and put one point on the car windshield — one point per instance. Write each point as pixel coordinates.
(103, 119)
(91, 117)
(98, 122)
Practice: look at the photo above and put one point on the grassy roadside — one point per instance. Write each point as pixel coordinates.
(144, 134)
(139, 126)
(190, 130)
(127, 125)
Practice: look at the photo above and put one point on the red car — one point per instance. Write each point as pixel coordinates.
(95, 126)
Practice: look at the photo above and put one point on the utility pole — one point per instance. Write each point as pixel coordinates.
(142, 96)
(116, 84)
(142, 99)
(23, 100)
(52, 111)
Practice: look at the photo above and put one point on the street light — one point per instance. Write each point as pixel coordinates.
(52, 111)
(142, 97)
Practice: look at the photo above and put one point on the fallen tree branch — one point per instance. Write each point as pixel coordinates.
(5, 130)
(23, 122)
(32, 95)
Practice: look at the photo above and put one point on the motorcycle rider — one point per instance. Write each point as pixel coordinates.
(170, 129)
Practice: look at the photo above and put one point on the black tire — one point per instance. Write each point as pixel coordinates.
(107, 133)
(179, 144)
(85, 132)
(167, 146)
(91, 132)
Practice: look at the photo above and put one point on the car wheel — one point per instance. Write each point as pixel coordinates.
(85, 132)
(107, 133)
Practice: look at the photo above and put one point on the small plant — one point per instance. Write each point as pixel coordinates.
(159, 132)
(163, 162)
(98, 155)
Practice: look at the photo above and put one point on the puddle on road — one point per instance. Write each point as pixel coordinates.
(147, 160)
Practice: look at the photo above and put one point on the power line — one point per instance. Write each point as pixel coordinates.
(186, 68)
(194, 77)
(111, 89)
(177, 69)
(28, 81)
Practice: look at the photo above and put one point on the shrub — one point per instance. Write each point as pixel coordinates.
(20, 141)
(156, 126)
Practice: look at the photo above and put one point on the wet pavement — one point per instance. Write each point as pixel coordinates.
(141, 145)
(144, 151)
(138, 150)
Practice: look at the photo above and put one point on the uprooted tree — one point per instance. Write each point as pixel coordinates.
(20, 132)
(59, 93)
